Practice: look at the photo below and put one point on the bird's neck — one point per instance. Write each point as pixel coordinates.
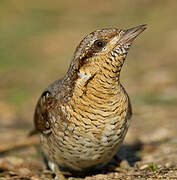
(110, 71)
(101, 74)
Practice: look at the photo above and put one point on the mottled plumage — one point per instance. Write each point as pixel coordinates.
(83, 117)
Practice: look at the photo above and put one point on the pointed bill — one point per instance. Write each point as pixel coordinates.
(130, 34)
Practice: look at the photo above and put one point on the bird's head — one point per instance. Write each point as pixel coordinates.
(111, 43)
(105, 47)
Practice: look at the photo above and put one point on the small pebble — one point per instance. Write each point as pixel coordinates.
(168, 165)
(124, 164)
(143, 167)
(24, 172)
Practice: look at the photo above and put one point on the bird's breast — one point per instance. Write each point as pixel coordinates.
(94, 126)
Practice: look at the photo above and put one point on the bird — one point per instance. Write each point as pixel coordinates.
(84, 116)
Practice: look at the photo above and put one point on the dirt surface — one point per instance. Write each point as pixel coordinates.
(37, 40)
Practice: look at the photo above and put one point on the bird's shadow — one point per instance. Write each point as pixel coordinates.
(126, 152)
(129, 152)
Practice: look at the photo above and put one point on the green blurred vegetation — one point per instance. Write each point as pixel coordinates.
(38, 38)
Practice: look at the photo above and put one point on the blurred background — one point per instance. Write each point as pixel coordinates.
(38, 39)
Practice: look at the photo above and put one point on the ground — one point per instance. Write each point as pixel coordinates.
(37, 40)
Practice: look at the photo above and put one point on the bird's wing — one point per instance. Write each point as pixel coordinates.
(42, 112)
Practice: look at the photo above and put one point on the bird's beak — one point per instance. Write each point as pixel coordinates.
(130, 34)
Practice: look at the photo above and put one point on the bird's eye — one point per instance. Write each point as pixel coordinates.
(99, 44)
